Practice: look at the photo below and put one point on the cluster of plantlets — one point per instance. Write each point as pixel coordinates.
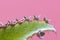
(22, 30)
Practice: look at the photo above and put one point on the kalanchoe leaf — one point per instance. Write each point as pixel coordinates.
(40, 34)
(36, 18)
(11, 23)
(26, 30)
(26, 19)
(45, 20)
(19, 21)
(2, 26)
(8, 22)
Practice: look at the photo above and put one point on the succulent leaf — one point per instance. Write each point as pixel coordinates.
(23, 30)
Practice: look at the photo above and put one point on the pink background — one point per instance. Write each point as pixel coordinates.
(11, 9)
